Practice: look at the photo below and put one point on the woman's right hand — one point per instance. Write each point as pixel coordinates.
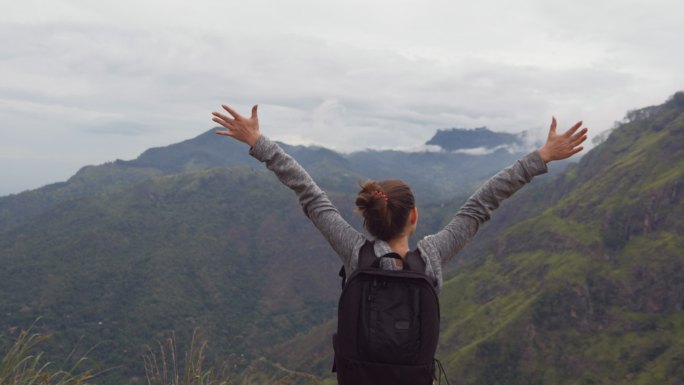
(244, 129)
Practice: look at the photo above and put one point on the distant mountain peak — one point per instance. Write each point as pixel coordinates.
(479, 138)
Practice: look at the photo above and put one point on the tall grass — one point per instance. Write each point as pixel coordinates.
(21, 366)
(163, 368)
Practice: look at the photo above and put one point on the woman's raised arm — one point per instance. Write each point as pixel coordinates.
(345, 240)
(488, 197)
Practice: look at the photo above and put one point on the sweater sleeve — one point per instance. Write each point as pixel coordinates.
(478, 208)
(343, 238)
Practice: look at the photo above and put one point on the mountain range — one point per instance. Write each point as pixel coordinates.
(192, 235)
(455, 171)
(578, 278)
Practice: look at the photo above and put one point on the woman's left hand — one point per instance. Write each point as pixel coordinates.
(244, 129)
(565, 145)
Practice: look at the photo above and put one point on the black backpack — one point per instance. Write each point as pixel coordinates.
(387, 323)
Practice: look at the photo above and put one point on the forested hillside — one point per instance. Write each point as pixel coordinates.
(192, 235)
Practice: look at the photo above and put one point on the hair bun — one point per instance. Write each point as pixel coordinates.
(370, 197)
(382, 219)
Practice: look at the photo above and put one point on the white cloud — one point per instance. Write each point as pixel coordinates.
(86, 82)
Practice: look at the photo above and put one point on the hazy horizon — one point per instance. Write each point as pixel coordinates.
(85, 83)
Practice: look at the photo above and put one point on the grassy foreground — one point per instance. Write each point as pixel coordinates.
(23, 364)
(19, 365)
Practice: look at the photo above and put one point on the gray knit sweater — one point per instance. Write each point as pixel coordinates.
(436, 249)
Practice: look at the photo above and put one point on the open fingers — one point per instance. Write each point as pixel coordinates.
(223, 120)
(222, 123)
(579, 141)
(576, 150)
(224, 133)
(580, 133)
(223, 117)
(572, 129)
(232, 112)
(579, 137)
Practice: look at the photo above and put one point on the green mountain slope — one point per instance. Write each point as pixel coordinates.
(212, 249)
(589, 289)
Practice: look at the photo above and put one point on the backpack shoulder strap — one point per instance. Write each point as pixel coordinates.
(415, 261)
(366, 258)
(413, 258)
(367, 254)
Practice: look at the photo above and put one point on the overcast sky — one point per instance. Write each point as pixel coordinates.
(85, 81)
